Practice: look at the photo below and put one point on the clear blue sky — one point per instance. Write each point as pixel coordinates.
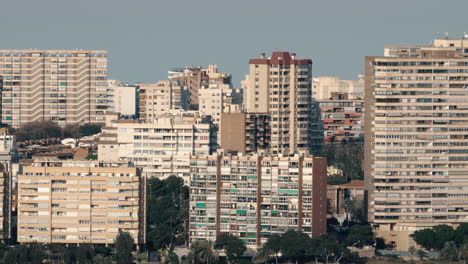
(147, 37)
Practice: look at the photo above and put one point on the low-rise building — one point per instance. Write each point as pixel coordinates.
(253, 197)
(77, 202)
(338, 194)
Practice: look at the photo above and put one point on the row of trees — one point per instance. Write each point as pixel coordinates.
(452, 243)
(291, 246)
(49, 129)
(59, 253)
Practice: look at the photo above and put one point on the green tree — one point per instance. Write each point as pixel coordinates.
(25, 254)
(274, 244)
(201, 252)
(461, 234)
(294, 245)
(124, 244)
(327, 250)
(91, 157)
(263, 255)
(233, 247)
(450, 251)
(38, 130)
(421, 254)
(71, 131)
(100, 259)
(89, 130)
(360, 235)
(434, 238)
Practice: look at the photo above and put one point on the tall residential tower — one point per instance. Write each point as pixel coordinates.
(416, 138)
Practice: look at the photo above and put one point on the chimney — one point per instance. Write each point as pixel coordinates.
(293, 56)
(262, 55)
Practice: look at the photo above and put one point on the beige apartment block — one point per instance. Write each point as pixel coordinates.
(213, 99)
(121, 98)
(194, 78)
(416, 138)
(253, 197)
(341, 105)
(65, 86)
(160, 148)
(282, 87)
(161, 98)
(80, 202)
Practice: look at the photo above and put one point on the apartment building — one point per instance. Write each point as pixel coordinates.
(253, 197)
(282, 87)
(8, 152)
(77, 202)
(245, 132)
(341, 105)
(65, 86)
(214, 98)
(194, 78)
(121, 98)
(160, 148)
(161, 98)
(416, 163)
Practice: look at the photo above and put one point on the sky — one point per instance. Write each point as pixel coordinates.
(145, 38)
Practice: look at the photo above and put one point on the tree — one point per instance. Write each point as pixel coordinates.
(327, 250)
(27, 253)
(450, 251)
(434, 238)
(233, 246)
(360, 235)
(201, 252)
(273, 245)
(294, 245)
(100, 259)
(89, 130)
(263, 255)
(91, 157)
(123, 248)
(71, 131)
(38, 130)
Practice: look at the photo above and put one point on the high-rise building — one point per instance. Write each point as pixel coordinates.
(121, 98)
(161, 98)
(245, 132)
(65, 86)
(214, 98)
(416, 161)
(341, 105)
(8, 151)
(282, 87)
(76, 202)
(253, 197)
(162, 147)
(194, 78)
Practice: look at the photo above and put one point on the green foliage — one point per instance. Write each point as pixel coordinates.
(38, 130)
(233, 246)
(124, 244)
(25, 254)
(71, 131)
(167, 212)
(91, 157)
(346, 157)
(450, 251)
(100, 259)
(436, 237)
(201, 252)
(360, 235)
(89, 130)
(337, 180)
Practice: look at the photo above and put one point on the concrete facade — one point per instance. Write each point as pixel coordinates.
(121, 98)
(77, 202)
(65, 86)
(252, 197)
(416, 162)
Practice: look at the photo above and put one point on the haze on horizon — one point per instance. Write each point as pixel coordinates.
(145, 38)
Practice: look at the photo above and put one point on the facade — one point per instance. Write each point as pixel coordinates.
(338, 194)
(160, 148)
(213, 99)
(282, 87)
(245, 132)
(121, 98)
(194, 78)
(252, 197)
(161, 98)
(341, 105)
(416, 162)
(65, 86)
(80, 202)
(8, 152)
